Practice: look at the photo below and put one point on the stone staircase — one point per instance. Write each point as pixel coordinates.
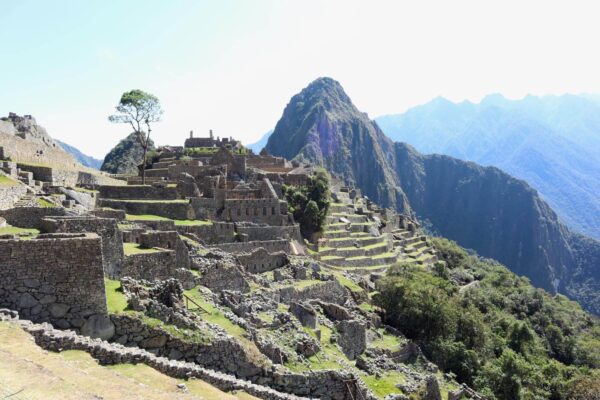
(352, 239)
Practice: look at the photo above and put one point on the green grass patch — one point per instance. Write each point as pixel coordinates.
(385, 384)
(145, 217)
(44, 203)
(134, 248)
(348, 283)
(177, 201)
(13, 230)
(214, 315)
(7, 181)
(387, 341)
(191, 222)
(115, 299)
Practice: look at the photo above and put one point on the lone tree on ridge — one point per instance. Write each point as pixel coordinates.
(138, 108)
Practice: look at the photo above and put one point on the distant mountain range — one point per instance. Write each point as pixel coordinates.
(86, 160)
(482, 208)
(552, 142)
(256, 147)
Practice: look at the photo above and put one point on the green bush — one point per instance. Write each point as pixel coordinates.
(309, 204)
(501, 336)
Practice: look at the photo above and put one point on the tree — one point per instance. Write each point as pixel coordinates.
(138, 108)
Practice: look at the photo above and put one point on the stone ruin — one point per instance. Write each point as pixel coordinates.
(209, 250)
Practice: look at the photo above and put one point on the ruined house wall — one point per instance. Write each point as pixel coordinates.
(260, 210)
(218, 232)
(245, 247)
(106, 228)
(167, 240)
(142, 192)
(260, 260)
(56, 278)
(173, 210)
(259, 233)
(159, 265)
(9, 195)
(30, 217)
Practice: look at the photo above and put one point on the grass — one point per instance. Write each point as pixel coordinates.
(13, 230)
(387, 341)
(115, 299)
(177, 201)
(305, 283)
(44, 203)
(328, 358)
(145, 217)
(134, 248)
(214, 315)
(348, 283)
(6, 181)
(385, 384)
(179, 222)
(29, 372)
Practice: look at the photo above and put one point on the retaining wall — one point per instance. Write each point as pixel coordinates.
(53, 278)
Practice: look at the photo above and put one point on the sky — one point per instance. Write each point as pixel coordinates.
(232, 66)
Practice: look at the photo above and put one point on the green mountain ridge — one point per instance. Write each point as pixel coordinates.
(482, 208)
(125, 157)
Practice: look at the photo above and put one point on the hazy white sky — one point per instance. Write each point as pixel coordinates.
(232, 66)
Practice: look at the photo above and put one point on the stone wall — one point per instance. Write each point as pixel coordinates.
(9, 195)
(157, 265)
(142, 192)
(53, 278)
(270, 211)
(246, 247)
(252, 232)
(106, 228)
(217, 232)
(169, 240)
(260, 260)
(109, 213)
(112, 353)
(330, 291)
(173, 210)
(30, 217)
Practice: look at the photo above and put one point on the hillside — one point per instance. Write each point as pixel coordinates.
(482, 208)
(29, 372)
(552, 142)
(320, 124)
(84, 159)
(125, 156)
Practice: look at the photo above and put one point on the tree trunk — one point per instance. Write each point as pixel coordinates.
(144, 165)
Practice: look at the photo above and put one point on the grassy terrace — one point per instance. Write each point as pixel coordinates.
(13, 230)
(177, 201)
(134, 248)
(179, 222)
(44, 203)
(6, 181)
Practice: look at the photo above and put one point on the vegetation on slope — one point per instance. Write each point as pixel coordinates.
(484, 208)
(309, 204)
(125, 157)
(492, 329)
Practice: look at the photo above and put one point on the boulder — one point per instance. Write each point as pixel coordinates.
(98, 326)
(27, 300)
(352, 337)
(58, 310)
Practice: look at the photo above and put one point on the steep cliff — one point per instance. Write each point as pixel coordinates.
(322, 125)
(482, 208)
